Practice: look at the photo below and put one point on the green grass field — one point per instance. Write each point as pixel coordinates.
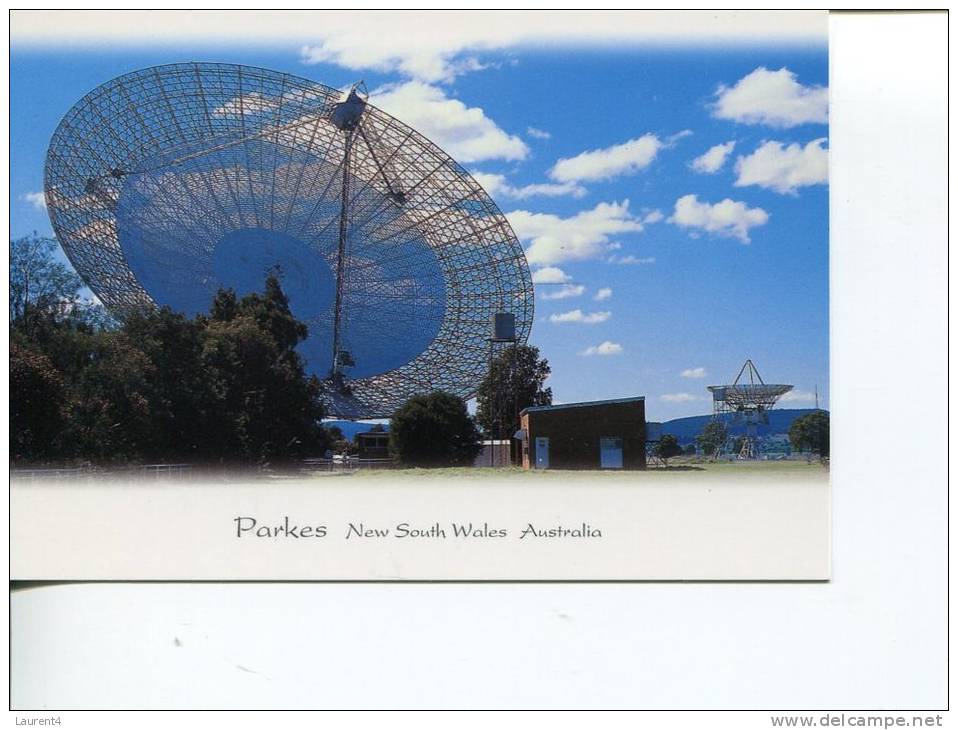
(777, 470)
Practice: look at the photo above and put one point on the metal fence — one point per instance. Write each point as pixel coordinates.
(347, 464)
(187, 472)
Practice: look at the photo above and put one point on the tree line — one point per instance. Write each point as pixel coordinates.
(807, 433)
(224, 386)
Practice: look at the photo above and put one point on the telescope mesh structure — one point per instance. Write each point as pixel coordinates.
(171, 182)
(746, 396)
(750, 399)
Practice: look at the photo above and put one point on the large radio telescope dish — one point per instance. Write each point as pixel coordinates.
(168, 183)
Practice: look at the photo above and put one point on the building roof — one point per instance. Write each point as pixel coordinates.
(583, 404)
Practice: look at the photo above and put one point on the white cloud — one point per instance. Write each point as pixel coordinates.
(606, 348)
(566, 291)
(602, 164)
(728, 218)
(418, 52)
(552, 239)
(653, 216)
(493, 184)
(37, 200)
(677, 397)
(798, 396)
(693, 373)
(775, 98)
(603, 294)
(549, 275)
(784, 169)
(466, 133)
(379, 40)
(538, 133)
(577, 315)
(438, 47)
(713, 160)
(253, 103)
(550, 190)
(497, 185)
(630, 259)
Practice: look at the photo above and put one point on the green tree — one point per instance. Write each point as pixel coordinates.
(516, 380)
(269, 407)
(689, 450)
(37, 396)
(339, 444)
(667, 447)
(182, 395)
(712, 437)
(38, 282)
(229, 386)
(434, 430)
(112, 402)
(810, 433)
(53, 334)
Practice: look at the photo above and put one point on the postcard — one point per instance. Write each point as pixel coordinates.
(445, 296)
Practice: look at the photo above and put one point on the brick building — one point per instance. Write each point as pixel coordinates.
(605, 434)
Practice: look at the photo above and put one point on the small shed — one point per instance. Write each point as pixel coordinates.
(495, 453)
(603, 434)
(372, 444)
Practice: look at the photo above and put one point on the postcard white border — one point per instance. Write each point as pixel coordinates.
(872, 637)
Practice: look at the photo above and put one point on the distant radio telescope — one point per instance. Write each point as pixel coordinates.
(750, 399)
(167, 183)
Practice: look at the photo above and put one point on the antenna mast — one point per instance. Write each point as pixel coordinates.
(345, 116)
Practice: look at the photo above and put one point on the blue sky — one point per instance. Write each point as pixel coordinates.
(665, 254)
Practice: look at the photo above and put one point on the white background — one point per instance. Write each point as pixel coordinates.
(874, 638)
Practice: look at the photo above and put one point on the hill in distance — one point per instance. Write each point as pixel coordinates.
(684, 429)
(351, 428)
(779, 420)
